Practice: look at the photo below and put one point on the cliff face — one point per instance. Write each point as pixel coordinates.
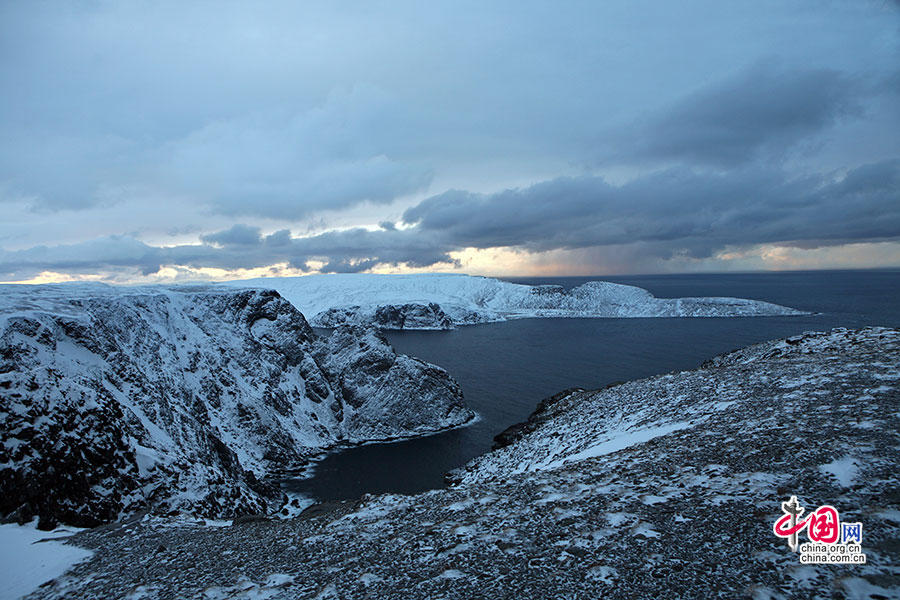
(410, 315)
(181, 399)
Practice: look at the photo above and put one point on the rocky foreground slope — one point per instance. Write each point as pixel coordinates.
(666, 487)
(118, 400)
(444, 301)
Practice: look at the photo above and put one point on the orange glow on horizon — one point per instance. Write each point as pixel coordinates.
(508, 262)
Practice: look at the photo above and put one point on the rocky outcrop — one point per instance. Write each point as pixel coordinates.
(375, 382)
(387, 316)
(412, 316)
(543, 413)
(183, 399)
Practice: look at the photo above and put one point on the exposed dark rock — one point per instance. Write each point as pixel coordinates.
(410, 315)
(547, 290)
(543, 412)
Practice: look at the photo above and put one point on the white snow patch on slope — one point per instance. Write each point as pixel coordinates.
(843, 469)
(26, 563)
(617, 440)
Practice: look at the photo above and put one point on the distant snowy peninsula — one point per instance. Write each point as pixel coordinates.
(444, 301)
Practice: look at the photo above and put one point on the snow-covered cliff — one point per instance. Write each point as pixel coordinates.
(117, 399)
(441, 301)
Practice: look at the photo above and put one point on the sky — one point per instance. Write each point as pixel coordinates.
(164, 141)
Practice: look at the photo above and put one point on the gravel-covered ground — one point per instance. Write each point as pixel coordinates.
(662, 488)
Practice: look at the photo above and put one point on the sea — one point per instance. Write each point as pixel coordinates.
(505, 369)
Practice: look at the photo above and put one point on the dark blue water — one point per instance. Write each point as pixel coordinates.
(505, 369)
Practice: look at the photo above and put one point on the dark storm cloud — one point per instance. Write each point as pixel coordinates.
(103, 254)
(673, 213)
(761, 112)
(292, 108)
(344, 250)
(282, 237)
(678, 210)
(237, 235)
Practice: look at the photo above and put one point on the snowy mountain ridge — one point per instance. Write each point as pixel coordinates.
(114, 400)
(442, 300)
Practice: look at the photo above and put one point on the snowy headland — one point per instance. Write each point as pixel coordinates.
(443, 301)
(118, 400)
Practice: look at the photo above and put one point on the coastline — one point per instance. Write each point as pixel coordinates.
(558, 513)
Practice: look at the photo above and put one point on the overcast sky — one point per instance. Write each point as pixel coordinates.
(157, 141)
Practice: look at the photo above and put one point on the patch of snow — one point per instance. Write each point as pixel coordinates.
(293, 510)
(645, 529)
(247, 589)
(806, 575)
(653, 499)
(278, 580)
(327, 593)
(602, 573)
(26, 562)
(619, 518)
(369, 578)
(758, 592)
(217, 523)
(461, 505)
(452, 574)
(858, 588)
(618, 440)
(843, 469)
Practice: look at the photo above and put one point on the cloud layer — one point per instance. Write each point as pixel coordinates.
(675, 213)
(142, 136)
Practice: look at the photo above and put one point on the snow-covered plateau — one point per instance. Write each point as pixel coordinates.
(666, 487)
(443, 301)
(119, 400)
